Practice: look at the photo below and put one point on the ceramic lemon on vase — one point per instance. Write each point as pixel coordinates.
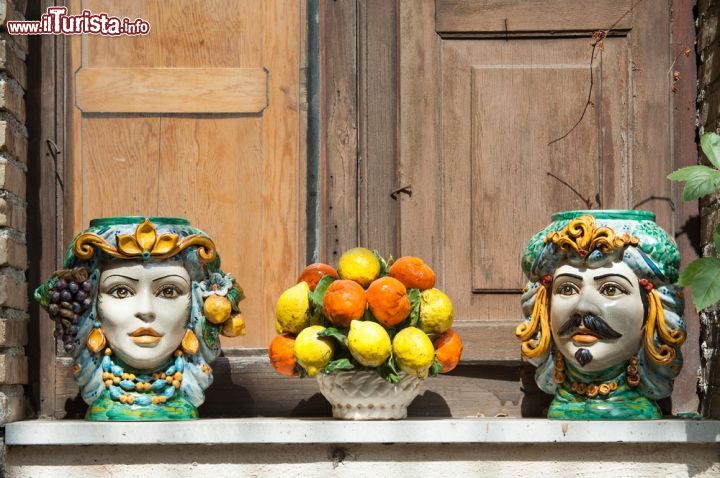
(370, 331)
(603, 318)
(140, 306)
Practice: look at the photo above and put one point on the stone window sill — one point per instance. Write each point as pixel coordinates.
(323, 431)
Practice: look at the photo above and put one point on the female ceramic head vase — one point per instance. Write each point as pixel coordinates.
(603, 320)
(140, 305)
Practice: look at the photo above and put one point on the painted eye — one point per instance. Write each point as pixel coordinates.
(121, 292)
(566, 289)
(612, 290)
(168, 292)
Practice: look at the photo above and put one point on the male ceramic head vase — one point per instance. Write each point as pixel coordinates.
(603, 320)
(139, 306)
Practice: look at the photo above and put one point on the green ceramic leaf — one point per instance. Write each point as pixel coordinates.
(710, 144)
(368, 316)
(414, 296)
(339, 364)
(389, 370)
(302, 373)
(335, 334)
(44, 291)
(384, 264)
(703, 278)
(387, 374)
(316, 297)
(235, 295)
(435, 368)
(392, 364)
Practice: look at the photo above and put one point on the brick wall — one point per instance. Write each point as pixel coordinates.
(13, 218)
(709, 120)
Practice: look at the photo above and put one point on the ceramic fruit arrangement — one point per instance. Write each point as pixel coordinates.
(368, 315)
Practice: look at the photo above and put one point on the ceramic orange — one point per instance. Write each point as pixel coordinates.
(388, 301)
(413, 273)
(344, 302)
(282, 355)
(448, 349)
(314, 272)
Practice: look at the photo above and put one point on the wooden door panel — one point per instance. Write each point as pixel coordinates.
(189, 33)
(508, 113)
(200, 119)
(506, 124)
(117, 152)
(479, 150)
(223, 195)
(500, 16)
(171, 90)
(503, 96)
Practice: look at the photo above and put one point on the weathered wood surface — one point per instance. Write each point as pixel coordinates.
(419, 136)
(171, 90)
(687, 216)
(546, 16)
(246, 385)
(377, 98)
(339, 113)
(44, 96)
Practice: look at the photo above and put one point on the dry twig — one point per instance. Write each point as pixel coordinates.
(597, 43)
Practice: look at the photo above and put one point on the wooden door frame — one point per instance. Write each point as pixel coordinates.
(46, 69)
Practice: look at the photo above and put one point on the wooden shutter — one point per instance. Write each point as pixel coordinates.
(485, 88)
(198, 119)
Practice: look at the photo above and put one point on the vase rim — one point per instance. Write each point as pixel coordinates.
(621, 214)
(157, 220)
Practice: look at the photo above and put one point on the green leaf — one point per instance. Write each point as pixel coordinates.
(700, 187)
(414, 295)
(716, 238)
(384, 265)
(691, 172)
(302, 373)
(392, 364)
(703, 278)
(44, 292)
(710, 145)
(316, 297)
(317, 317)
(387, 374)
(389, 370)
(235, 295)
(688, 275)
(368, 316)
(335, 334)
(339, 364)
(700, 181)
(435, 368)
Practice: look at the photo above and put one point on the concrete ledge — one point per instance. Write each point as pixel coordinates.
(322, 431)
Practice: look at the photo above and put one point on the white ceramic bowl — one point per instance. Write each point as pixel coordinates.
(366, 396)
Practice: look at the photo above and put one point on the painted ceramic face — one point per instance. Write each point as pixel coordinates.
(143, 309)
(596, 315)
